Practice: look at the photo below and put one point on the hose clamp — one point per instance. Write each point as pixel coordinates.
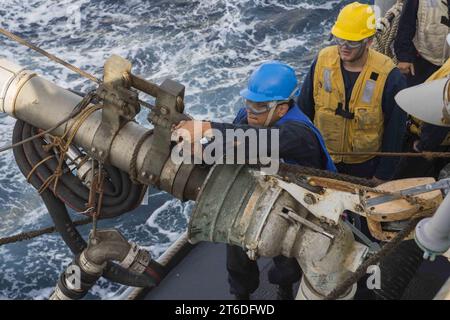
(58, 295)
(89, 267)
(141, 262)
(131, 256)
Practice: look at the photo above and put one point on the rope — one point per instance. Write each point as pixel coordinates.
(344, 287)
(78, 108)
(425, 154)
(48, 55)
(387, 31)
(37, 233)
(58, 60)
(97, 185)
(30, 174)
(63, 143)
(300, 172)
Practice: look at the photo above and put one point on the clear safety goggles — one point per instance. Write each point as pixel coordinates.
(258, 108)
(349, 44)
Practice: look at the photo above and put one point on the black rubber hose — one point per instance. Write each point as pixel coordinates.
(112, 185)
(74, 193)
(398, 269)
(113, 194)
(55, 207)
(64, 224)
(87, 281)
(42, 172)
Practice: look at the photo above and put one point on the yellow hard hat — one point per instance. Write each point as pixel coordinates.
(355, 22)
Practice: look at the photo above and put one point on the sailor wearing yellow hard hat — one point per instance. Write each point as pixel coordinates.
(349, 94)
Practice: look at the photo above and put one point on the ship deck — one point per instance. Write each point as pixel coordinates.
(202, 275)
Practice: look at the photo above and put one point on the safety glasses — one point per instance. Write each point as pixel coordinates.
(350, 44)
(260, 108)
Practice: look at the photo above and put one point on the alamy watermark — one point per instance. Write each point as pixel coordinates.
(237, 146)
(73, 277)
(374, 280)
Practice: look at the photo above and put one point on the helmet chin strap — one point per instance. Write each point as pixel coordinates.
(270, 116)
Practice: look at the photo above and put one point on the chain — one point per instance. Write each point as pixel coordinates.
(356, 188)
(301, 172)
(343, 287)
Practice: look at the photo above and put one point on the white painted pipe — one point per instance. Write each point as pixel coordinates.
(433, 234)
(26, 96)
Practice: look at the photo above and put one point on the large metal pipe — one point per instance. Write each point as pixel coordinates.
(41, 103)
(433, 234)
(257, 214)
(104, 246)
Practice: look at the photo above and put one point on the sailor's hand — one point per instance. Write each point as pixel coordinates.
(190, 131)
(406, 68)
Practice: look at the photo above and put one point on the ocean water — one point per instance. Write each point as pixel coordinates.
(211, 46)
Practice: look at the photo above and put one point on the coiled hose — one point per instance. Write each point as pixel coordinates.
(398, 269)
(120, 197)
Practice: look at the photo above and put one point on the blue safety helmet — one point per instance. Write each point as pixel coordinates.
(272, 81)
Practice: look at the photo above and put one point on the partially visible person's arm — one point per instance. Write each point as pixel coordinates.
(403, 46)
(293, 141)
(394, 125)
(306, 99)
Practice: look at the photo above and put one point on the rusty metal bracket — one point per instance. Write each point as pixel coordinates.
(181, 180)
(167, 112)
(290, 214)
(120, 105)
(439, 185)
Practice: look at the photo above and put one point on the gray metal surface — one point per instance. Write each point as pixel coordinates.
(202, 275)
